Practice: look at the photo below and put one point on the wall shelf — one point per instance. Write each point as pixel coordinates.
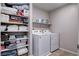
(25, 22)
(13, 23)
(13, 31)
(41, 23)
(16, 39)
(20, 39)
(18, 4)
(14, 48)
(16, 15)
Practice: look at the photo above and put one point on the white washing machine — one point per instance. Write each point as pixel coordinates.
(54, 42)
(41, 44)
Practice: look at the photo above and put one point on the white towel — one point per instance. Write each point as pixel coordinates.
(9, 10)
(4, 18)
(22, 51)
(23, 28)
(12, 28)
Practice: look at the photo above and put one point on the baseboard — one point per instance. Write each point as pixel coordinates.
(68, 51)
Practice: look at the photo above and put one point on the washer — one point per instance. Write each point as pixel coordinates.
(41, 44)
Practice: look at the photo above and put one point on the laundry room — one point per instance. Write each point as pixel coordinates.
(39, 29)
(60, 20)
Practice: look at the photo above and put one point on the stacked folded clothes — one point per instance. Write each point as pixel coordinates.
(9, 53)
(12, 28)
(8, 10)
(4, 18)
(23, 28)
(22, 51)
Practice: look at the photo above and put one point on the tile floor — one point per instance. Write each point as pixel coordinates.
(61, 53)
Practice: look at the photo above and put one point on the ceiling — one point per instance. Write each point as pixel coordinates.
(48, 6)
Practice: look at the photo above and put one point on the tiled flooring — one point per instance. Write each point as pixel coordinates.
(61, 53)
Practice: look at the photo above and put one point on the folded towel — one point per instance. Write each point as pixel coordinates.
(22, 51)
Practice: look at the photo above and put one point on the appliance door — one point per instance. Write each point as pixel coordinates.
(44, 45)
(54, 42)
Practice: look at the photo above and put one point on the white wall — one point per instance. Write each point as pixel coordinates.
(65, 21)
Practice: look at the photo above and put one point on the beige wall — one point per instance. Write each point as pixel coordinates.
(40, 14)
(78, 23)
(65, 21)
